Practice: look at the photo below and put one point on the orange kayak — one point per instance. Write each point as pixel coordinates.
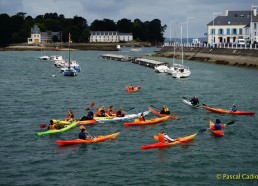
(162, 144)
(155, 111)
(147, 122)
(87, 122)
(87, 141)
(134, 89)
(224, 111)
(216, 132)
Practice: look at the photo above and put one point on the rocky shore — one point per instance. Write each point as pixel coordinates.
(224, 56)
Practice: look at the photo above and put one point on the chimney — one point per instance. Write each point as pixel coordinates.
(226, 12)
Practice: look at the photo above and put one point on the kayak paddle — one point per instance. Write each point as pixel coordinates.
(92, 104)
(42, 126)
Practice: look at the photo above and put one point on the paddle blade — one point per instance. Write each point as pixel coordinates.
(230, 123)
(42, 126)
(92, 104)
(202, 130)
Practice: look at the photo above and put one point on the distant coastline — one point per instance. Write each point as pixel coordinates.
(228, 56)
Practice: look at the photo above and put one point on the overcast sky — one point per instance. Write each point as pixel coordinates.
(145, 10)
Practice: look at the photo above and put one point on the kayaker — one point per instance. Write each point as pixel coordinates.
(233, 109)
(101, 112)
(110, 111)
(131, 87)
(70, 116)
(164, 138)
(84, 134)
(218, 125)
(142, 117)
(51, 126)
(194, 101)
(89, 116)
(120, 113)
(165, 110)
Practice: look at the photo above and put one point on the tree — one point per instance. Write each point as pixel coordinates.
(125, 26)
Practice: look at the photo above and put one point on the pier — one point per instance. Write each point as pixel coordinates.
(138, 60)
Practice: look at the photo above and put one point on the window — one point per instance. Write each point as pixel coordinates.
(212, 31)
(228, 31)
(240, 31)
(255, 26)
(234, 31)
(220, 31)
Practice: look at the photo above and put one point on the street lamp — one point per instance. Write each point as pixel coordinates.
(187, 28)
(213, 30)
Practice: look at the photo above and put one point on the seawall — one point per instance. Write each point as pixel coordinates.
(224, 56)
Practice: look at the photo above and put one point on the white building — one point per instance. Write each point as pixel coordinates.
(227, 28)
(109, 36)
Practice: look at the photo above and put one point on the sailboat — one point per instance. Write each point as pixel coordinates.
(180, 70)
(69, 71)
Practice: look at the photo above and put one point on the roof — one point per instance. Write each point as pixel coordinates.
(104, 33)
(233, 18)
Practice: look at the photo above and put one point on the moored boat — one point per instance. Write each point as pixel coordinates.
(87, 141)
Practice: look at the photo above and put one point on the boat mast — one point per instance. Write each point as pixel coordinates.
(69, 50)
(182, 43)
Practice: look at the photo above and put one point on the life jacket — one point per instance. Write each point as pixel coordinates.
(109, 112)
(100, 112)
(166, 109)
(217, 126)
(131, 88)
(52, 127)
(161, 138)
(141, 118)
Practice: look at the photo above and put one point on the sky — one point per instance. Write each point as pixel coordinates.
(172, 13)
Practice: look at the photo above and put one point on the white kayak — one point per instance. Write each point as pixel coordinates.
(187, 101)
(126, 117)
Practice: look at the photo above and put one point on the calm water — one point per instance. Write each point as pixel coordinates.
(30, 96)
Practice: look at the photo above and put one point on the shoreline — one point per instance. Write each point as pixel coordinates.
(223, 56)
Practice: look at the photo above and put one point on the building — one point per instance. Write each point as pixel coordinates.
(228, 28)
(38, 37)
(109, 36)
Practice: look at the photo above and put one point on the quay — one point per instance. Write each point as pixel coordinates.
(136, 60)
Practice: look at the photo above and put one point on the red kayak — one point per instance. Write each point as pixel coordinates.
(154, 111)
(87, 141)
(162, 144)
(216, 132)
(147, 122)
(224, 111)
(134, 89)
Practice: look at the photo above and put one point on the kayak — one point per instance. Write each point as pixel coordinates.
(186, 101)
(134, 89)
(66, 128)
(147, 122)
(215, 132)
(85, 122)
(115, 118)
(224, 111)
(162, 144)
(87, 141)
(155, 111)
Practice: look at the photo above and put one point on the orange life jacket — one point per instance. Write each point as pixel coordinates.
(52, 127)
(161, 138)
(109, 112)
(141, 118)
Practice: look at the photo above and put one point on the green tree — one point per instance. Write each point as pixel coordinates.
(125, 26)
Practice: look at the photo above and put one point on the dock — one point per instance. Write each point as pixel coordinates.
(136, 60)
(116, 57)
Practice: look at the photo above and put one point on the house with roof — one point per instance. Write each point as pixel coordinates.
(227, 28)
(38, 37)
(109, 36)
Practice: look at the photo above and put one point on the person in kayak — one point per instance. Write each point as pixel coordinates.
(84, 134)
(131, 88)
(142, 117)
(101, 112)
(218, 125)
(194, 101)
(233, 109)
(120, 113)
(110, 111)
(165, 110)
(70, 116)
(51, 126)
(164, 138)
(89, 116)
